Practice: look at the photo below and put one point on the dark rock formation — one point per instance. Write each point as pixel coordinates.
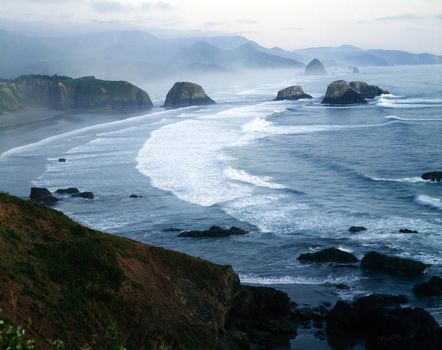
(187, 94)
(85, 195)
(153, 298)
(135, 196)
(431, 288)
(329, 255)
(366, 90)
(356, 70)
(262, 313)
(406, 230)
(382, 324)
(70, 190)
(42, 195)
(62, 160)
(393, 265)
(292, 93)
(356, 229)
(172, 229)
(341, 93)
(435, 176)
(315, 67)
(215, 231)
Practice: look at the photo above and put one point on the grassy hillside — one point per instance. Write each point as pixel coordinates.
(63, 281)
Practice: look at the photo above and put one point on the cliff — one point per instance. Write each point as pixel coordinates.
(59, 92)
(61, 280)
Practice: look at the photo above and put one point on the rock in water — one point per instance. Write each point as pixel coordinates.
(407, 230)
(42, 195)
(341, 93)
(70, 190)
(292, 93)
(381, 323)
(85, 195)
(435, 176)
(215, 231)
(62, 160)
(366, 90)
(393, 265)
(356, 229)
(329, 255)
(315, 67)
(431, 288)
(187, 94)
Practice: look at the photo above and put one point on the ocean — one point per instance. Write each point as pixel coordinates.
(296, 174)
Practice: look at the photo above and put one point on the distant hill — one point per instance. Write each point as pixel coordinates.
(60, 92)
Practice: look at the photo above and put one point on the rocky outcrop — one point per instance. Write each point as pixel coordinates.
(85, 195)
(70, 190)
(98, 291)
(214, 231)
(329, 255)
(62, 93)
(393, 265)
(315, 67)
(43, 196)
(341, 93)
(292, 93)
(382, 324)
(366, 90)
(431, 288)
(407, 230)
(357, 229)
(434, 176)
(187, 94)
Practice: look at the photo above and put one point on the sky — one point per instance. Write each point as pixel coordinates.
(412, 25)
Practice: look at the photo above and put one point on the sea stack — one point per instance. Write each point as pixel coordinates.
(187, 94)
(292, 93)
(341, 93)
(366, 90)
(315, 67)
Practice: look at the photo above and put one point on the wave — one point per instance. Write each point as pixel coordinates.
(393, 117)
(409, 102)
(259, 181)
(429, 201)
(255, 279)
(413, 179)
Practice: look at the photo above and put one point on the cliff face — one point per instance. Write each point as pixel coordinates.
(60, 280)
(58, 92)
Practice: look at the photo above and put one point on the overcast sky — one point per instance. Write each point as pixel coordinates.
(413, 25)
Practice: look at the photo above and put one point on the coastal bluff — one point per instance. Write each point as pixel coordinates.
(64, 93)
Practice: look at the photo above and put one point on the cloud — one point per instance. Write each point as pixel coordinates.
(408, 17)
(115, 6)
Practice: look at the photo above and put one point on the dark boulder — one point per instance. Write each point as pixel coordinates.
(264, 314)
(70, 190)
(356, 229)
(42, 196)
(435, 176)
(315, 67)
(135, 196)
(187, 94)
(341, 93)
(215, 231)
(85, 195)
(406, 230)
(431, 288)
(292, 93)
(381, 323)
(329, 255)
(393, 265)
(62, 160)
(366, 90)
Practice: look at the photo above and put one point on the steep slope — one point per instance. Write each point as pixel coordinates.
(61, 280)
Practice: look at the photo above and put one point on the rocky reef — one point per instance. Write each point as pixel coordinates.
(366, 90)
(91, 290)
(187, 94)
(341, 93)
(63, 93)
(292, 93)
(434, 176)
(315, 67)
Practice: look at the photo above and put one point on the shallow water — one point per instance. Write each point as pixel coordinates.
(296, 174)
